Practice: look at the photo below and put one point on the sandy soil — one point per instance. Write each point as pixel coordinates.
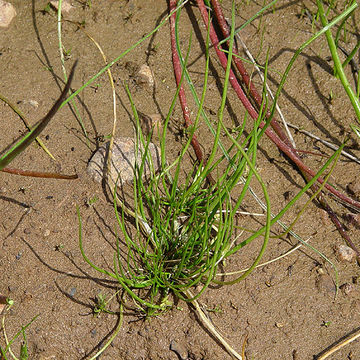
(285, 310)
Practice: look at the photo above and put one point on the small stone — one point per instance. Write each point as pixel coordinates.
(348, 288)
(345, 253)
(65, 5)
(46, 233)
(145, 76)
(122, 161)
(72, 292)
(7, 13)
(32, 103)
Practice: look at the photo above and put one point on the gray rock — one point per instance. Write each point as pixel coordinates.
(122, 161)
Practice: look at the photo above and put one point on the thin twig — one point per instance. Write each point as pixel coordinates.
(212, 328)
(39, 174)
(326, 143)
(340, 345)
(294, 248)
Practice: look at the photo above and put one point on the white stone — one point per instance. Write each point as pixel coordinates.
(345, 253)
(122, 161)
(7, 13)
(145, 75)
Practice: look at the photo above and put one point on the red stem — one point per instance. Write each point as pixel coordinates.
(244, 74)
(281, 144)
(39, 174)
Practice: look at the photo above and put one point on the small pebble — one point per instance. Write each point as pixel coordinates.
(325, 218)
(7, 13)
(18, 256)
(32, 103)
(345, 253)
(72, 292)
(145, 76)
(46, 233)
(81, 351)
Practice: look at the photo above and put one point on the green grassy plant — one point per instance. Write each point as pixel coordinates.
(184, 226)
(338, 66)
(178, 228)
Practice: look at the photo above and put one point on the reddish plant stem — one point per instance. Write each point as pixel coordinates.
(39, 174)
(182, 97)
(244, 74)
(339, 226)
(282, 145)
(282, 142)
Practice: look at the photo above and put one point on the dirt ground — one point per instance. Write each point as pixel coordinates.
(285, 310)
